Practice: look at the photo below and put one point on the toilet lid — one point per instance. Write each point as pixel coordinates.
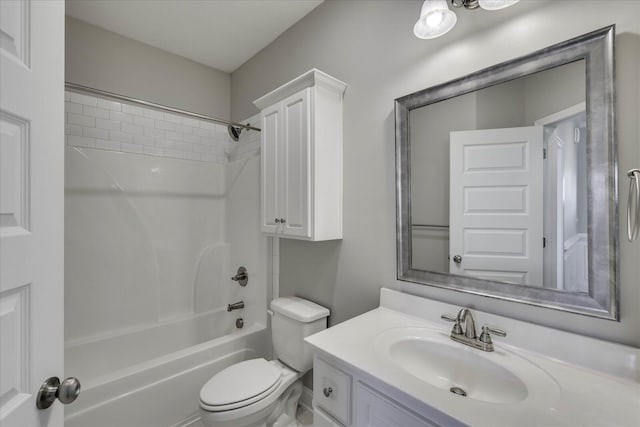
(240, 385)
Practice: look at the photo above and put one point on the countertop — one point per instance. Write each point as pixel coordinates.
(583, 397)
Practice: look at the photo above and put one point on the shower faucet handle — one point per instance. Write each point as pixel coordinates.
(242, 276)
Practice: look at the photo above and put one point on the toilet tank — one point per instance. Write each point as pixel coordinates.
(294, 319)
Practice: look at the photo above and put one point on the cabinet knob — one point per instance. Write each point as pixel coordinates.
(327, 391)
(282, 220)
(277, 220)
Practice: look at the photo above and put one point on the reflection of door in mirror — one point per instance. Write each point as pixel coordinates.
(495, 221)
(565, 189)
(495, 204)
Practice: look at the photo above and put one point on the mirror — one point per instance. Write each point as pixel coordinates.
(507, 180)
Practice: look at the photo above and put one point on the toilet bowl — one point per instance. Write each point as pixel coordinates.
(261, 393)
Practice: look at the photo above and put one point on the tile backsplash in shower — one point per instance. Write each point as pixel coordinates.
(101, 123)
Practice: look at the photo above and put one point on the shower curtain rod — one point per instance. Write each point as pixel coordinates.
(77, 87)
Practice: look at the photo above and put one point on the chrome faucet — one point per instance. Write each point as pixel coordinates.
(469, 336)
(465, 316)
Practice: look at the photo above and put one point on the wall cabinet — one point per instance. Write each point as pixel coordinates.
(343, 397)
(301, 147)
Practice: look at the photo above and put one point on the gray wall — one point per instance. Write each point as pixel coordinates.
(104, 60)
(370, 46)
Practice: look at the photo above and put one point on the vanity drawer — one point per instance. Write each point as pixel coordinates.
(332, 390)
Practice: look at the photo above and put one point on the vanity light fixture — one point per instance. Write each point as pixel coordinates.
(436, 19)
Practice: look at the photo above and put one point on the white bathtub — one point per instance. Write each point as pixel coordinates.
(151, 376)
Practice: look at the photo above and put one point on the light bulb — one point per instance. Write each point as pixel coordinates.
(434, 19)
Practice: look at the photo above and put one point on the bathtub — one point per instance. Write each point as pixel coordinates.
(151, 376)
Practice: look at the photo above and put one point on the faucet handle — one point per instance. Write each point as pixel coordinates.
(456, 327)
(485, 336)
(495, 331)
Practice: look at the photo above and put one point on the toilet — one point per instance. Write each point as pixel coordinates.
(261, 393)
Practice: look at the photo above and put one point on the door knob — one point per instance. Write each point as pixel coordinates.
(457, 259)
(66, 392)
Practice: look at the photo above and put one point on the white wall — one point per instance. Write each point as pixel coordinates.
(370, 46)
(104, 60)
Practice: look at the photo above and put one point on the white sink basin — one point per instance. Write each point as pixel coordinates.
(432, 357)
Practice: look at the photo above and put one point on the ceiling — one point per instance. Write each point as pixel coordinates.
(222, 34)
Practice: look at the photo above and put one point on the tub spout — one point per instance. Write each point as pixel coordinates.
(235, 306)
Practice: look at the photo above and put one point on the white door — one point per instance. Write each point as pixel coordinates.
(270, 154)
(296, 163)
(31, 207)
(495, 206)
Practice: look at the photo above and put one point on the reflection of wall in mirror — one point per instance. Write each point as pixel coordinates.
(429, 129)
(515, 103)
(572, 209)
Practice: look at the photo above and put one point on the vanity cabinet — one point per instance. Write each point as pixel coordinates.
(342, 397)
(301, 148)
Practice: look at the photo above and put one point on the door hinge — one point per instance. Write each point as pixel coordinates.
(544, 242)
(544, 153)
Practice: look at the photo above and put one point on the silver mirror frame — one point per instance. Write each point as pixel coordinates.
(597, 49)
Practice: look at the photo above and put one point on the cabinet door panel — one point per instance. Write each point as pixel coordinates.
(270, 193)
(375, 410)
(296, 158)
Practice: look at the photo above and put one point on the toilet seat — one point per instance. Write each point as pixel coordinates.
(240, 385)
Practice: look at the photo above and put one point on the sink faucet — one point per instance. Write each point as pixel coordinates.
(465, 316)
(469, 336)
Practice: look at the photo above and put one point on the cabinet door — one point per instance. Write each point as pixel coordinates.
(296, 159)
(270, 150)
(375, 410)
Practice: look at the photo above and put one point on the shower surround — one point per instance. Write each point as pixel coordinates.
(159, 210)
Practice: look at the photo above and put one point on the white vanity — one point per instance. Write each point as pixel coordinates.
(397, 366)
